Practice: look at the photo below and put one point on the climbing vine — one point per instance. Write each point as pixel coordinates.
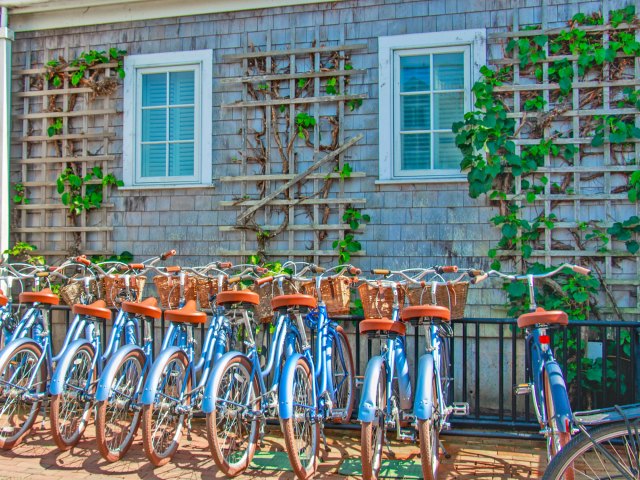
(507, 170)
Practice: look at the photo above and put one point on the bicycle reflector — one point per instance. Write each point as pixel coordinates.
(544, 339)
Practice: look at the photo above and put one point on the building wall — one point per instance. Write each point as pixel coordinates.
(411, 224)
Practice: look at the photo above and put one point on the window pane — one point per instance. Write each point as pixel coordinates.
(154, 125)
(181, 159)
(415, 73)
(448, 108)
(416, 151)
(181, 88)
(181, 122)
(154, 89)
(415, 111)
(447, 155)
(448, 71)
(154, 159)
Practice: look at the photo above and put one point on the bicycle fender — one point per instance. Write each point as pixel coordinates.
(285, 389)
(423, 402)
(366, 409)
(11, 347)
(56, 387)
(104, 382)
(209, 399)
(560, 396)
(153, 377)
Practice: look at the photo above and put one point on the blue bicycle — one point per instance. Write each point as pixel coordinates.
(547, 386)
(73, 384)
(8, 314)
(386, 401)
(318, 386)
(172, 390)
(238, 400)
(27, 362)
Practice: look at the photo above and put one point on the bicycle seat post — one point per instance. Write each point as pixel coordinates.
(532, 296)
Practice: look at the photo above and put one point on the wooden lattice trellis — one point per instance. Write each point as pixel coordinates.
(286, 182)
(590, 189)
(83, 141)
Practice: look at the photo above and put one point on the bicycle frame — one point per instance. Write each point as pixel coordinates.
(540, 362)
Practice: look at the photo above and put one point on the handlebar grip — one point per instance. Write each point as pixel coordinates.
(173, 269)
(167, 254)
(260, 270)
(83, 260)
(475, 273)
(448, 269)
(380, 271)
(136, 266)
(42, 274)
(354, 270)
(262, 280)
(479, 278)
(122, 268)
(581, 270)
(225, 264)
(233, 280)
(317, 269)
(53, 269)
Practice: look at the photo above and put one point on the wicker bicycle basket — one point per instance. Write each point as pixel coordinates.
(264, 312)
(114, 289)
(72, 292)
(169, 290)
(336, 294)
(205, 289)
(377, 301)
(453, 295)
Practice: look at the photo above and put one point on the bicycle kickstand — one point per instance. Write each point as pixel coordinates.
(327, 448)
(189, 436)
(444, 450)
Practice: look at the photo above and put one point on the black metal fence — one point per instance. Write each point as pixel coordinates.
(599, 359)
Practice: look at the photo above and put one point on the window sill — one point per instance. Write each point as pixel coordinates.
(167, 186)
(401, 181)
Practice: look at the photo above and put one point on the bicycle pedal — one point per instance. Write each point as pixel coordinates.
(523, 389)
(407, 436)
(446, 426)
(460, 409)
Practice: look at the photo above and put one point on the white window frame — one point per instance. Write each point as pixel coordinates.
(201, 62)
(389, 51)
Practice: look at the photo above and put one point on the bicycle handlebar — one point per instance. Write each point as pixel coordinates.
(496, 273)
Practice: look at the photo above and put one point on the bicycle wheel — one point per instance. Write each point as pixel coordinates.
(163, 421)
(302, 431)
(21, 377)
(71, 409)
(613, 457)
(343, 376)
(428, 433)
(372, 434)
(116, 420)
(232, 437)
(556, 439)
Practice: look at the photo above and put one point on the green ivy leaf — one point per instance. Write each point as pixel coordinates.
(509, 231)
(632, 246)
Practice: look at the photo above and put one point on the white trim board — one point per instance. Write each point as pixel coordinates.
(47, 15)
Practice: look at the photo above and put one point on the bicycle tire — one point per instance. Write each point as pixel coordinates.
(372, 433)
(219, 424)
(70, 413)
(556, 439)
(168, 442)
(430, 440)
(344, 383)
(17, 416)
(302, 431)
(578, 456)
(116, 421)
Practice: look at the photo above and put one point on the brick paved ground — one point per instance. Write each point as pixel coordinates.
(471, 458)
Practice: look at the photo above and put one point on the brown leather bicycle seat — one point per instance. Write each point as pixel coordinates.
(187, 314)
(43, 296)
(97, 309)
(543, 317)
(294, 300)
(148, 307)
(382, 325)
(420, 311)
(242, 296)
(3, 299)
